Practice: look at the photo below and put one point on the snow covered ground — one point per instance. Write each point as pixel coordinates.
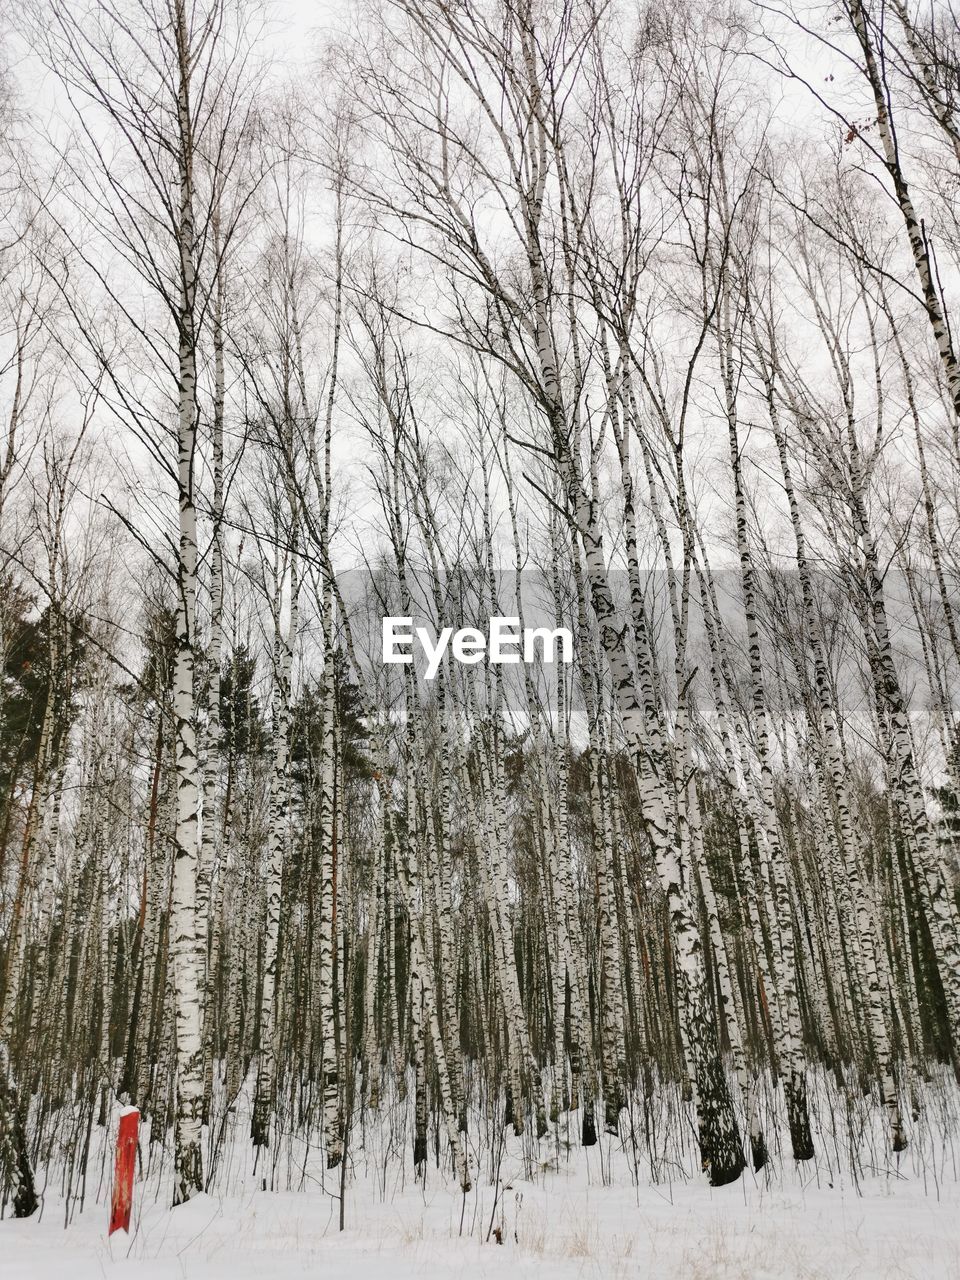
(552, 1231)
(547, 1208)
(560, 1224)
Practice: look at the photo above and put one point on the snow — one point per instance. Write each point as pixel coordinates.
(613, 1211)
(559, 1227)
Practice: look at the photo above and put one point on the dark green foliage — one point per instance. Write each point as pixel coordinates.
(43, 658)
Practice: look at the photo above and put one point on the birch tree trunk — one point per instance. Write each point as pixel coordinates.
(188, 1177)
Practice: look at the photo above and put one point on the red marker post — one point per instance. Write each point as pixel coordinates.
(123, 1170)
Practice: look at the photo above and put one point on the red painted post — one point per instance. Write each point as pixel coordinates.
(123, 1170)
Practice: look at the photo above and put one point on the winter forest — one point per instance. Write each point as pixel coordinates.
(632, 319)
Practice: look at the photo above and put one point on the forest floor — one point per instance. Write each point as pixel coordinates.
(556, 1221)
